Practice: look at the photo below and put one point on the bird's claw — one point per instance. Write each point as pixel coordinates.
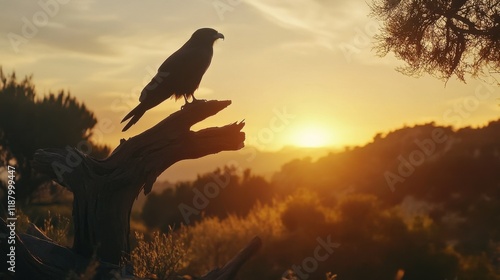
(193, 102)
(198, 100)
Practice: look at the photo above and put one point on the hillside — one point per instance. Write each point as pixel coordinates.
(264, 163)
(419, 201)
(429, 162)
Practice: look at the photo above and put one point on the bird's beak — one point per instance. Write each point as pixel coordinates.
(219, 36)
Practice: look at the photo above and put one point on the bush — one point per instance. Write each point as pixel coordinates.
(159, 258)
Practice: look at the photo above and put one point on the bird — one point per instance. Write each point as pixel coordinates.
(179, 75)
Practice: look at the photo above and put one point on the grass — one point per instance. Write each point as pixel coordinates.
(161, 257)
(56, 227)
(194, 249)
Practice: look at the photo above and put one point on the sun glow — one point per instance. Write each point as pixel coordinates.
(312, 137)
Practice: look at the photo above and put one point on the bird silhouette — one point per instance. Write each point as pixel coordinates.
(180, 74)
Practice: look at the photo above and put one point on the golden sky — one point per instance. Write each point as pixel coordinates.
(299, 72)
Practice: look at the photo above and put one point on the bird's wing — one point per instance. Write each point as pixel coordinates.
(156, 81)
(187, 62)
(182, 71)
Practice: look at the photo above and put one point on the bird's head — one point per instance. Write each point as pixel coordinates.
(206, 36)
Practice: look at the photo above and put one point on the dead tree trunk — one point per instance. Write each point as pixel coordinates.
(104, 190)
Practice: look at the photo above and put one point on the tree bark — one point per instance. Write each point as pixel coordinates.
(104, 190)
(229, 270)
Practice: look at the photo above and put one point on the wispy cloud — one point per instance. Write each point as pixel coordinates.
(275, 54)
(324, 22)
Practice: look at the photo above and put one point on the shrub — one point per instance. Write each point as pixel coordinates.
(159, 258)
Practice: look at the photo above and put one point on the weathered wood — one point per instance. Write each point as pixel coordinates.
(229, 270)
(104, 190)
(37, 258)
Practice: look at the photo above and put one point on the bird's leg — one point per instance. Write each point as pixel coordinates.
(186, 102)
(192, 102)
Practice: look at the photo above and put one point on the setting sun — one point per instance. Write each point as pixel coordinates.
(311, 137)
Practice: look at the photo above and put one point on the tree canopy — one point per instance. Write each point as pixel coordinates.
(28, 123)
(441, 37)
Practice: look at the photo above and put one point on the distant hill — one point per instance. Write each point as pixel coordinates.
(429, 162)
(420, 202)
(264, 163)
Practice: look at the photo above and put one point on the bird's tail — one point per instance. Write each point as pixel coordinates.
(135, 114)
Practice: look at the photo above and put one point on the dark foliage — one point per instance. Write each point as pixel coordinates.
(440, 221)
(231, 195)
(441, 37)
(28, 124)
(448, 196)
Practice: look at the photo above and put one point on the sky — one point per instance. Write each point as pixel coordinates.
(300, 72)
